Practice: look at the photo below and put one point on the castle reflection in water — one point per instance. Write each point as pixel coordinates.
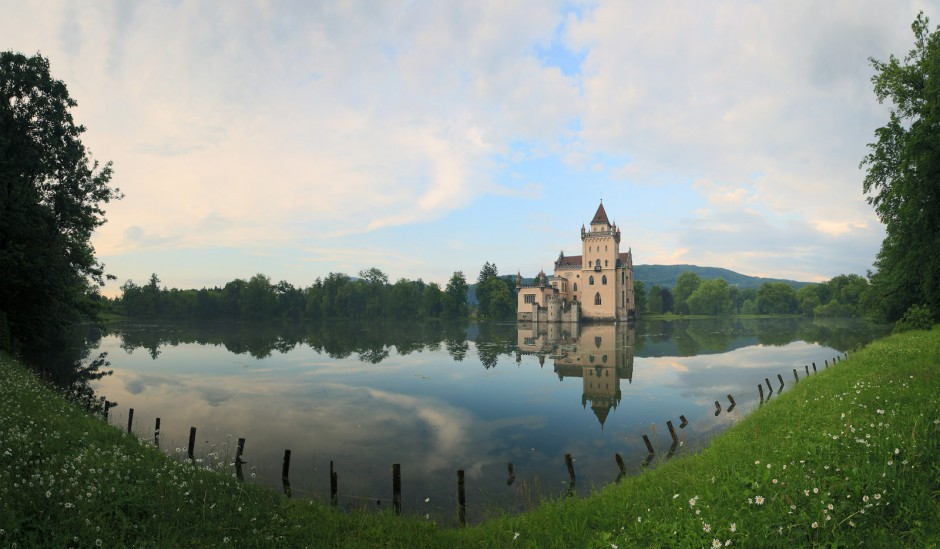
(600, 354)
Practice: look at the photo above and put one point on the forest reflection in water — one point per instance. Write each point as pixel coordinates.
(437, 397)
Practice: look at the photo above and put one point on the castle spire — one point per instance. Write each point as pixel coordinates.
(600, 216)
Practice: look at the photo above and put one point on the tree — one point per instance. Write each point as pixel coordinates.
(687, 283)
(374, 276)
(405, 299)
(668, 300)
(655, 304)
(455, 296)
(258, 300)
(903, 168)
(376, 294)
(809, 297)
(432, 300)
(639, 296)
(500, 302)
(712, 297)
(51, 200)
(488, 272)
(776, 298)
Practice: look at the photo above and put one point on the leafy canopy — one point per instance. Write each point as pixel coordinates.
(51, 200)
(903, 177)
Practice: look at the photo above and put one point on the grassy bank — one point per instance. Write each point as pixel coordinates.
(849, 456)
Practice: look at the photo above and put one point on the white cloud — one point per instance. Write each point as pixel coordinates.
(706, 127)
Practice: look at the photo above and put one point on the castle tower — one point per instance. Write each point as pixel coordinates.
(607, 275)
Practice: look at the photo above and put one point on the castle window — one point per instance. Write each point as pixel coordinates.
(576, 286)
(604, 279)
(530, 298)
(597, 341)
(591, 280)
(597, 298)
(605, 262)
(590, 263)
(604, 360)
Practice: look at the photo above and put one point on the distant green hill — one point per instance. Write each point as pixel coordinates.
(666, 275)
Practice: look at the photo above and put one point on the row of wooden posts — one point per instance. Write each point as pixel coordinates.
(796, 379)
(396, 467)
(461, 484)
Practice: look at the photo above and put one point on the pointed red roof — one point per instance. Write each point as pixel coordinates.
(600, 216)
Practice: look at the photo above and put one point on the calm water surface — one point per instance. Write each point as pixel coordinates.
(438, 397)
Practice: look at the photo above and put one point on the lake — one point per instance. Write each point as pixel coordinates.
(437, 397)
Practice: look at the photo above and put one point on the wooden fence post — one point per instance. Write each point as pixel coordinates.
(672, 431)
(512, 474)
(796, 378)
(649, 445)
(684, 422)
(672, 449)
(334, 480)
(130, 420)
(396, 487)
(156, 434)
(621, 466)
(238, 459)
(569, 463)
(760, 389)
(192, 444)
(285, 473)
(769, 388)
(461, 499)
(807, 369)
(780, 377)
(733, 403)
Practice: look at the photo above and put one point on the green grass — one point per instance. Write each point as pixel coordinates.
(849, 456)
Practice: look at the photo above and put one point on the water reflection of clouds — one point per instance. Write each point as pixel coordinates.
(434, 414)
(348, 421)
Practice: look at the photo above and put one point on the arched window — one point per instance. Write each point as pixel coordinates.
(605, 262)
(590, 263)
(597, 298)
(591, 280)
(576, 286)
(604, 279)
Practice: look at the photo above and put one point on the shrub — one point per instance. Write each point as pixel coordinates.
(917, 317)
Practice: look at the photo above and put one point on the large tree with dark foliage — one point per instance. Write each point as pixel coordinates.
(51, 199)
(903, 177)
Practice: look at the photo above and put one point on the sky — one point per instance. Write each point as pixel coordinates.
(296, 139)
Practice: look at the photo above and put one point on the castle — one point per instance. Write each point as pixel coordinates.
(596, 285)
